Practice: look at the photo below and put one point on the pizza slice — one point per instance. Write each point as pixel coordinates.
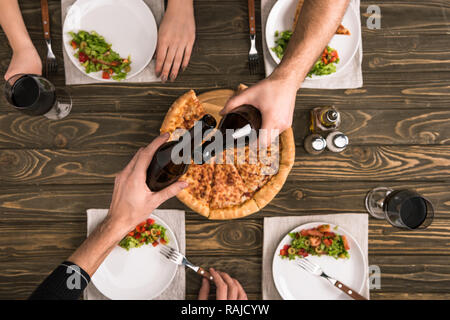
(183, 113)
(343, 30)
(197, 194)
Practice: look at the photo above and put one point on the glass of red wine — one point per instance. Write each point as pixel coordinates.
(35, 95)
(404, 208)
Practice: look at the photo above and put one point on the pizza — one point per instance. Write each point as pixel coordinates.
(340, 30)
(236, 183)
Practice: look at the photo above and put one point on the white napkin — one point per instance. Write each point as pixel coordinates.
(348, 79)
(75, 76)
(175, 219)
(276, 228)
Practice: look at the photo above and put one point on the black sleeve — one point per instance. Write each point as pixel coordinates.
(66, 282)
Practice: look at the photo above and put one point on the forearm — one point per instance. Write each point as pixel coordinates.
(180, 4)
(317, 24)
(12, 23)
(97, 246)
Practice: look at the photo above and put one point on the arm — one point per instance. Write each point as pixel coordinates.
(275, 95)
(176, 38)
(25, 57)
(131, 204)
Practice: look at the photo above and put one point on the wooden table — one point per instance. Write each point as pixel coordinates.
(398, 125)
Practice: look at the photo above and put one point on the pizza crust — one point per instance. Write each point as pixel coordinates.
(196, 205)
(239, 211)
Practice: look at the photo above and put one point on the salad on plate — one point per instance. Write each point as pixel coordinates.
(96, 55)
(316, 241)
(147, 232)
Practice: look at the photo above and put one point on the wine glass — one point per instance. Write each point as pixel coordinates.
(35, 95)
(401, 208)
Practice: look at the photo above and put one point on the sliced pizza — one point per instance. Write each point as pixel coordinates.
(228, 187)
(183, 113)
(197, 194)
(343, 30)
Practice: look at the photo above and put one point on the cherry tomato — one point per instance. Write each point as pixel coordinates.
(82, 57)
(131, 233)
(283, 252)
(150, 221)
(105, 75)
(74, 44)
(155, 243)
(163, 241)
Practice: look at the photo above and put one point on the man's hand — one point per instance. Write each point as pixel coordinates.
(24, 60)
(176, 38)
(227, 288)
(132, 200)
(275, 98)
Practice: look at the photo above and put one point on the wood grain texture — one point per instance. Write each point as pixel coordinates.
(374, 163)
(398, 125)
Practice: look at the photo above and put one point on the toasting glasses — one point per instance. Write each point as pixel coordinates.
(35, 95)
(402, 208)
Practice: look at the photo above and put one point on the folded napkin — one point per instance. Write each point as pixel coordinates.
(75, 76)
(276, 228)
(348, 79)
(175, 219)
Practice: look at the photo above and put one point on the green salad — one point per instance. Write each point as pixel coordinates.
(316, 241)
(147, 232)
(326, 64)
(95, 54)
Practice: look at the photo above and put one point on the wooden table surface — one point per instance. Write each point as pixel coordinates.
(398, 125)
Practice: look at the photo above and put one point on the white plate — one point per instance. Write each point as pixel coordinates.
(294, 283)
(128, 25)
(281, 18)
(138, 274)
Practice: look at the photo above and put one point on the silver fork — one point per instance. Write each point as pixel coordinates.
(317, 271)
(253, 58)
(51, 66)
(179, 259)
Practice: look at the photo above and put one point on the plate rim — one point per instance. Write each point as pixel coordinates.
(344, 66)
(78, 66)
(320, 222)
(171, 278)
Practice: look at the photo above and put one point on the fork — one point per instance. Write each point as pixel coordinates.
(51, 66)
(253, 58)
(317, 271)
(179, 259)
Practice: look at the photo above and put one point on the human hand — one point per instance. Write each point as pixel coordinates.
(24, 60)
(176, 38)
(227, 288)
(275, 98)
(132, 200)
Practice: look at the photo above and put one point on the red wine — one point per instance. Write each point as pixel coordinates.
(31, 94)
(163, 171)
(406, 208)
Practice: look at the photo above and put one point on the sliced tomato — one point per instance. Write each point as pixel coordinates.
(304, 233)
(327, 242)
(131, 233)
(137, 236)
(163, 241)
(329, 234)
(155, 243)
(315, 233)
(286, 246)
(74, 44)
(106, 75)
(345, 241)
(82, 57)
(150, 221)
(323, 228)
(283, 252)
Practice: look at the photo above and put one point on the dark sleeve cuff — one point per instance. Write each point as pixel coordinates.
(66, 282)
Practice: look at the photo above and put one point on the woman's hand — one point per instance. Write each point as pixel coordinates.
(227, 288)
(176, 38)
(275, 98)
(24, 60)
(132, 200)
